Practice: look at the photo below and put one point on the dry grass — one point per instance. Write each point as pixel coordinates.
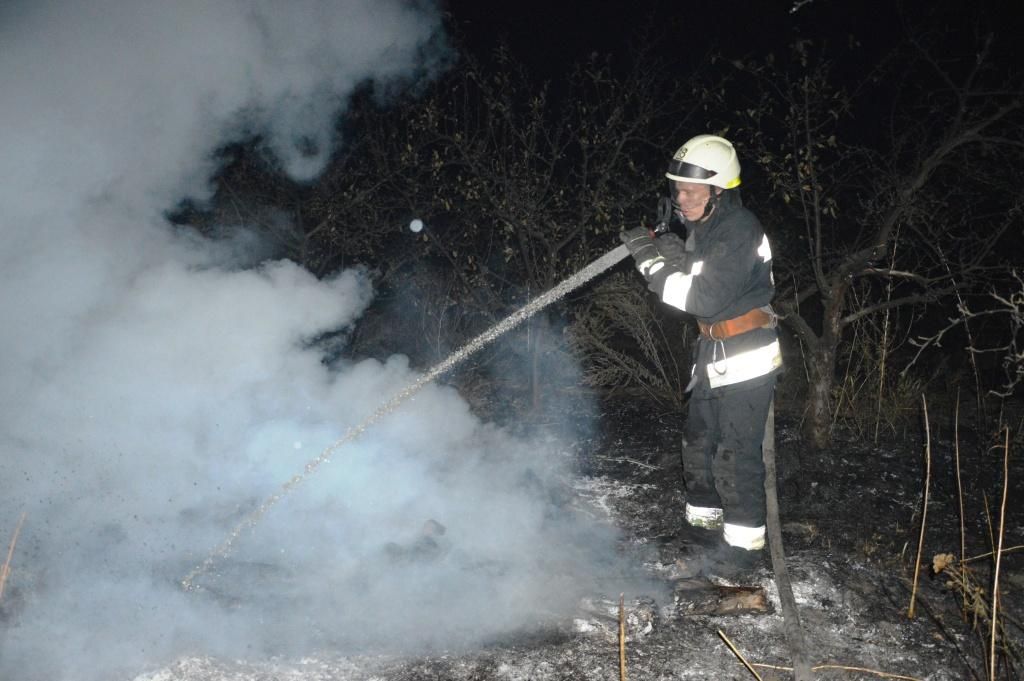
(911, 612)
(979, 590)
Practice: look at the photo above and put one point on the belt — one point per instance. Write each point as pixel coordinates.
(757, 318)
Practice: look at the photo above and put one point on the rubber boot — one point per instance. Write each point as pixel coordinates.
(734, 564)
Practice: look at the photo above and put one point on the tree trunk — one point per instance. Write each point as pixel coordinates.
(822, 370)
(817, 427)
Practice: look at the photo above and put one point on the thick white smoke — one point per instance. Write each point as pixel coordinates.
(151, 394)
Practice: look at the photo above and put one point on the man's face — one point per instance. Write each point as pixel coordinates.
(690, 199)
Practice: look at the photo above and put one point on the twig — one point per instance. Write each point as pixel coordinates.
(626, 459)
(988, 523)
(885, 339)
(641, 464)
(822, 667)
(962, 308)
(622, 637)
(1008, 549)
(999, 556)
(960, 499)
(924, 509)
(739, 655)
(6, 569)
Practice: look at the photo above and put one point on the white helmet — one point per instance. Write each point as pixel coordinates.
(706, 159)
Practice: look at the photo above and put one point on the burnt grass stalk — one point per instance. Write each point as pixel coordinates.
(980, 607)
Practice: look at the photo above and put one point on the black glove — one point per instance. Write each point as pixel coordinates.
(673, 249)
(641, 246)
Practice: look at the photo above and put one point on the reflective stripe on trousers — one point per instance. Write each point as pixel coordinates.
(751, 538)
(723, 370)
(708, 517)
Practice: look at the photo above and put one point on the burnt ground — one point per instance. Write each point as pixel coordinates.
(851, 518)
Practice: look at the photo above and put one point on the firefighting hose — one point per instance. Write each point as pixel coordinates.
(249, 521)
(790, 615)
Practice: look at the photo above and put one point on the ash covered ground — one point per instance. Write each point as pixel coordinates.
(851, 519)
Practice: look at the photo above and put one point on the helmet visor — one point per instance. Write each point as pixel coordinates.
(689, 171)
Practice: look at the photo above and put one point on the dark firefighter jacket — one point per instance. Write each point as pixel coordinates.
(727, 272)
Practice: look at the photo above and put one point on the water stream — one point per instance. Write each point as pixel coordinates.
(539, 303)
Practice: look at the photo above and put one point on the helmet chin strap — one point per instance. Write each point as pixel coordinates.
(713, 199)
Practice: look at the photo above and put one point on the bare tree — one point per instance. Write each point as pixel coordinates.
(1006, 308)
(940, 174)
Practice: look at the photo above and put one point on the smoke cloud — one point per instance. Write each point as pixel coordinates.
(153, 393)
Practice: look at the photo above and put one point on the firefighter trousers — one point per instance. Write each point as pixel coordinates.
(722, 464)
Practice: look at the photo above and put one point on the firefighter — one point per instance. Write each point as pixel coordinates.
(721, 274)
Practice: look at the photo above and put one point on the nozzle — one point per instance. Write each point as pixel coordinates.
(664, 215)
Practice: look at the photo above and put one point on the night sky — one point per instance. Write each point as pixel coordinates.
(548, 35)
